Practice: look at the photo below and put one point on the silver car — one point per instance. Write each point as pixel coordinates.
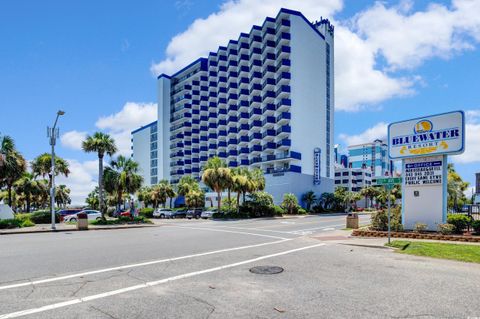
(162, 213)
(208, 214)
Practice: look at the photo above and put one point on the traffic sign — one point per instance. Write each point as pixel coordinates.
(389, 180)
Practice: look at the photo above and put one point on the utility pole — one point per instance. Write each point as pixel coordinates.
(53, 134)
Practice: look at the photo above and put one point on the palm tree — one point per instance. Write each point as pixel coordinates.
(309, 198)
(258, 179)
(92, 199)
(12, 165)
(327, 201)
(240, 183)
(62, 196)
(160, 192)
(195, 199)
(186, 184)
(102, 144)
(122, 177)
(289, 203)
(369, 192)
(42, 166)
(217, 176)
(28, 186)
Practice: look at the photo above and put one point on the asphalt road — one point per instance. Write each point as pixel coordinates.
(200, 269)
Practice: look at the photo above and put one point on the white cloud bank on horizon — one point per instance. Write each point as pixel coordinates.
(84, 176)
(403, 38)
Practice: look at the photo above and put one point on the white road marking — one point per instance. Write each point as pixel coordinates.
(327, 229)
(147, 284)
(153, 262)
(229, 231)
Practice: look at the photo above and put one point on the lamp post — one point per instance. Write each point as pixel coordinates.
(53, 134)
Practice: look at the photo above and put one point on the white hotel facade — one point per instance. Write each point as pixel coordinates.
(264, 100)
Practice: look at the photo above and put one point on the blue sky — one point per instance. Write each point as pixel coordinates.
(97, 60)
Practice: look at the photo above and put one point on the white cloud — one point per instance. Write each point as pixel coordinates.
(472, 139)
(207, 34)
(81, 181)
(402, 38)
(73, 139)
(378, 131)
(407, 39)
(120, 125)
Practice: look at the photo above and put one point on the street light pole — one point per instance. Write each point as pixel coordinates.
(53, 134)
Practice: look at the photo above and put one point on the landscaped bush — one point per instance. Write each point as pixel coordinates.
(379, 219)
(146, 212)
(43, 217)
(476, 226)
(445, 229)
(17, 222)
(290, 203)
(420, 227)
(302, 211)
(460, 222)
(277, 210)
(122, 220)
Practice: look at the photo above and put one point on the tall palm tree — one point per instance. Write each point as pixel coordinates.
(186, 184)
(161, 192)
(102, 144)
(217, 176)
(12, 165)
(122, 177)
(29, 187)
(258, 179)
(42, 166)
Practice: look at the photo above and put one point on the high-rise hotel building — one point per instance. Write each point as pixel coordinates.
(264, 100)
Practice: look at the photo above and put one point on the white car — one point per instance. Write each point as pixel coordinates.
(162, 213)
(208, 214)
(92, 215)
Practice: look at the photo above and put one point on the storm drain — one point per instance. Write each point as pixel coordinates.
(266, 270)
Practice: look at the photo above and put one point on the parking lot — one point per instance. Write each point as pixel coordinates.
(201, 269)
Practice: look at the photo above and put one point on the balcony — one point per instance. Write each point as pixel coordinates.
(222, 144)
(284, 130)
(284, 144)
(232, 130)
(255, 112)
(284, 105)
(244, 127)
(212, 146)
(212, 135)
(255, 136)
(244, 139)
(232, 153)
(269, 146)
(244, 150)
(268, 134)
(232, 164)
(244, 162)
(256, 124)
(255, 149)
(284, 117)
(232, 142)
(269, 121)
(222, 133)
(269, 109)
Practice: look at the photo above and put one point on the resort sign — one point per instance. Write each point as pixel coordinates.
(423, 144)
(430, 135)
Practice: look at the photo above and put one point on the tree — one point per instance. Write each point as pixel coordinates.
(160, 192)
(290, 203)
(455, 188)
(217, 176)
(195, 199)
(101, 144)
(122, 178)
(369, 192)
(92, 199)
(309, 198)
(42, 166)
(241, 183)
(186, 184)
(327, 201)
(28, 186)
(12, 165)
(382, 196)
(62, 196)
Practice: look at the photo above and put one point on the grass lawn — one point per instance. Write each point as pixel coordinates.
(467, 253)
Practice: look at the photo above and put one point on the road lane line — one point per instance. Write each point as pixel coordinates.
(153, 262)
(228, 231)
(147, 284)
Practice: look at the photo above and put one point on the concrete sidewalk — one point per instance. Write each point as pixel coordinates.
(61, 227)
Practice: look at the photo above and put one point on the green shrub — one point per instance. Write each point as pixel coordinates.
(459, 222)
(277, 210)
(302, 211)
(10, 223)
(43, 217)
(420, 227)
(379, 220)
(476, 226)
(290, 203)
(146, 212)
(445, 229)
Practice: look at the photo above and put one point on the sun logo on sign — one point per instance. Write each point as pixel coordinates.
(423, 126)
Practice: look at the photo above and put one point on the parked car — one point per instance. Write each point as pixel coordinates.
(66, 212)
(162, 213)
(208, 214)
(194, 213)
(91, 214)
(179, 213)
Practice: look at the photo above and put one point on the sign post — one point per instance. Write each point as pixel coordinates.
(423, 145)
(389, 183)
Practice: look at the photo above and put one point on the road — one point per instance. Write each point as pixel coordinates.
(200, 269)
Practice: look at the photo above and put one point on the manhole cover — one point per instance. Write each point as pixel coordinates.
(266, 270)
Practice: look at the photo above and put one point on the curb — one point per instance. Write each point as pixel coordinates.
(74, 229)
